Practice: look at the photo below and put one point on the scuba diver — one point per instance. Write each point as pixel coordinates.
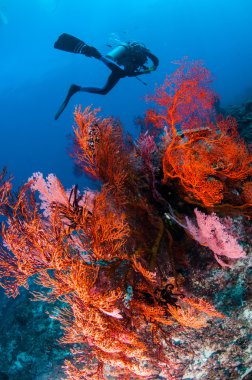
(125, 60)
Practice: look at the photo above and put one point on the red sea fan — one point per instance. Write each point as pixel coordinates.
(185, 99)
(203, 154)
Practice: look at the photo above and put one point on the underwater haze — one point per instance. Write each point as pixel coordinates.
(34, 77)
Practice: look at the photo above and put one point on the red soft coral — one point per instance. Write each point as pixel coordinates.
(203, 153)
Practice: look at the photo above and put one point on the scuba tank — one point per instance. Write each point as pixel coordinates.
(118, 52)
(131, 55)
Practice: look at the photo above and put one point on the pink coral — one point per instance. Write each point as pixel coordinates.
(52, 191)
(212, 233)
(49, 191)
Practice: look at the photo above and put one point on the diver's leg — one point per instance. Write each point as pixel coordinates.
(114, 77)
(72, 90)
(111, 82)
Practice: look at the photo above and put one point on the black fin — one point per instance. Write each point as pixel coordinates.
(69, 43)
(72, 44)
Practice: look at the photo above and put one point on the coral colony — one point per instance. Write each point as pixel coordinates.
(120, 260)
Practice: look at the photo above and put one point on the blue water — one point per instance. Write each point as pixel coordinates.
(34, 77)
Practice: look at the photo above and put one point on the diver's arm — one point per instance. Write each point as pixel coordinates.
(154, 59)
(148, 70)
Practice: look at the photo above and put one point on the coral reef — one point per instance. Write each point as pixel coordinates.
(127, 269)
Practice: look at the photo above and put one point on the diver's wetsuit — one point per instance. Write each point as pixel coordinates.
(116, 74)
(129, 65)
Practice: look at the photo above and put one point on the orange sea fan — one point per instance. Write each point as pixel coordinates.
(109, 229)
(100, 149)
(188, 317)
(148, 275)
(204, 306)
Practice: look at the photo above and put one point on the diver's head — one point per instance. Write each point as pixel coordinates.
(137, 52)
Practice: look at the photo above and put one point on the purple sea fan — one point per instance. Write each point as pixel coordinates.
(146, 146)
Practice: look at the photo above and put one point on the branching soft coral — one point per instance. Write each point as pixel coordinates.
(99, 147)
(203, 153)
(208, 165)
(86, 257)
